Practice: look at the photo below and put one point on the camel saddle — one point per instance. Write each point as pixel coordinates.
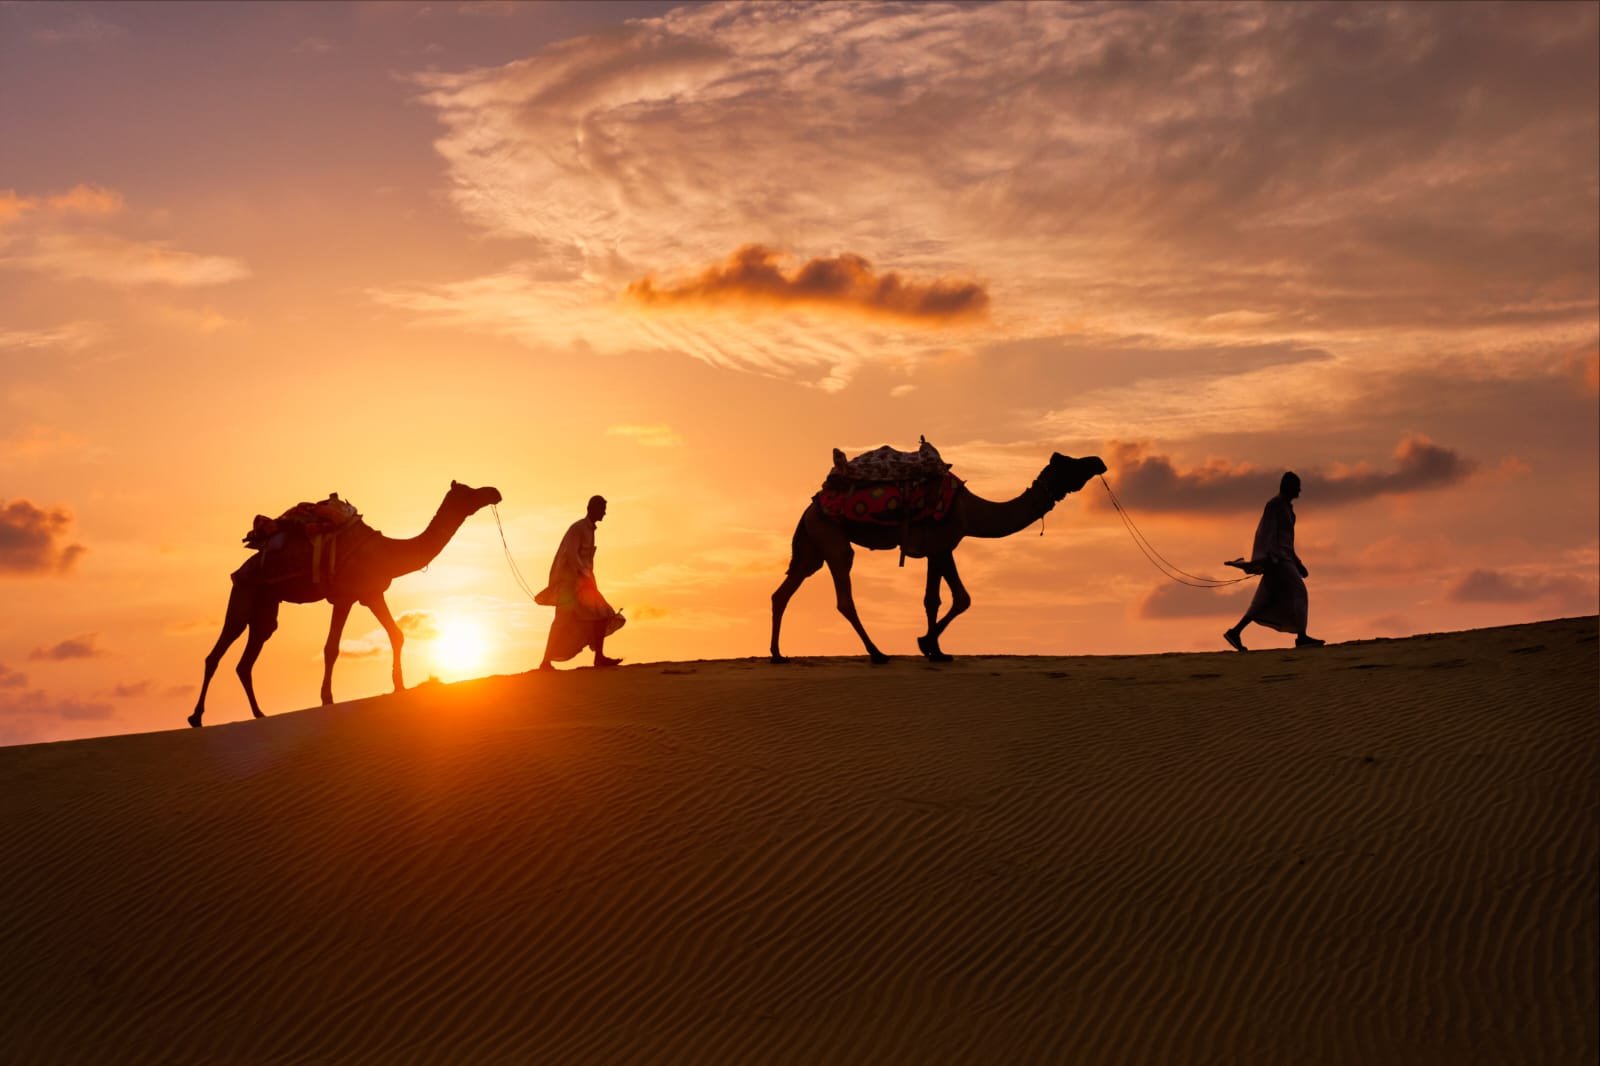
(304, 540)
(889, 487)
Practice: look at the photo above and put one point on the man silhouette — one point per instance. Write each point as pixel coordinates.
(1280, 601)
(583, 617)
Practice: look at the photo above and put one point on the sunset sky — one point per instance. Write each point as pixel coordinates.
(252, 254)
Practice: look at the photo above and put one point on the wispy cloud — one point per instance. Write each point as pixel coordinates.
(35, 443)
(118, 261)
(82, 28)
(83, 647)
(1271, 171)
(654, 436)
(755, 276)
(82, 200)
(73, 336)
(10, 678)
(33, 540)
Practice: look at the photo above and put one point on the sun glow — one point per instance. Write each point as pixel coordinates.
(461, 648)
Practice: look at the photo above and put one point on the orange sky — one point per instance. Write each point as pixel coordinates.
(253, 254)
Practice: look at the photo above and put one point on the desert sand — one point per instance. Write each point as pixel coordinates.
(1378, 852)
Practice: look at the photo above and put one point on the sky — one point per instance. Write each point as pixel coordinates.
(251, 254)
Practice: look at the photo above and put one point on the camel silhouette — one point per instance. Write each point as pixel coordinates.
(819, 539)
(366, 567)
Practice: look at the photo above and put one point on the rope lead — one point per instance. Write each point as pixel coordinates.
(1159, 561)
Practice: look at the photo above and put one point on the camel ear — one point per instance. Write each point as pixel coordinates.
(454, 484)
(1056, 457)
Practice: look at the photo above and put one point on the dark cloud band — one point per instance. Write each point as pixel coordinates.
(755, 275)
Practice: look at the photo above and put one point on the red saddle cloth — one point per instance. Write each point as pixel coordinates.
(888, 503)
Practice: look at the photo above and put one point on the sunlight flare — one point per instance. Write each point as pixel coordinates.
(461, 649)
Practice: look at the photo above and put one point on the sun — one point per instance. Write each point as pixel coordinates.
(461, 648)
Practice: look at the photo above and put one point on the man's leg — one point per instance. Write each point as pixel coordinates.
(1232, 635)
(600, 658)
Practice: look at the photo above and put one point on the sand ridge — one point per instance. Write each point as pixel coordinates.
(1383, 851)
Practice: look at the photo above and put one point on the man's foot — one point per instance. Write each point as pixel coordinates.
(1232, 637)
(1303, 641)
(602, 662)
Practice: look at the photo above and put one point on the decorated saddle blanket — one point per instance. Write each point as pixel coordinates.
(313, 519)
(889, 487)
(890, 464)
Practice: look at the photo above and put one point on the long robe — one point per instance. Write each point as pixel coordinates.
(576, 597)
(1280, 601)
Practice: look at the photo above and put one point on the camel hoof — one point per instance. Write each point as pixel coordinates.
(779, 660)
(194, 720)
(258, 714)
(878, 658)
(930, 648)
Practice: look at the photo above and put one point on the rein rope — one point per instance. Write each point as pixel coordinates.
(522, 583)
(1159, 561)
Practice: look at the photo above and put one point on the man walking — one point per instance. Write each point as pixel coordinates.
(583, 617)
(1280, 601)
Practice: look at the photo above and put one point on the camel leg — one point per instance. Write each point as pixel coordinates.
(944, 567)
(840, 569)
(929, 642)
(805, 559)
(330, 650)
(380, 610)
(263, 623)
(234, 622)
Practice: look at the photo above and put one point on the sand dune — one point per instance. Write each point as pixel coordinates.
(1374, 852)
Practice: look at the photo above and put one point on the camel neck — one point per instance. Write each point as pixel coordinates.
(988, 518)
(420, 550)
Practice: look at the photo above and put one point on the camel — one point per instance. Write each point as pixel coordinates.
(366, 566)
(819, 539)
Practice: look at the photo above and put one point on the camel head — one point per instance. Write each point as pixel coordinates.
(466, 500)
(1066, 474)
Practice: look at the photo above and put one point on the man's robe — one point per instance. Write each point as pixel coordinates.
(1280, 601)
(573, 592)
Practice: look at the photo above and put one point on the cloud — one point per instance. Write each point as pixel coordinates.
(84, 28)
(118, 261)
(33, 715)
(73, 336)
(74, 648)
(656, 436)
(32, 540)
(416, 625)
(41, 442)
(9, 678)
(1183, 601)
(82, 200)
(1498, 586)
(754, 276)
(1308, 172)
(130, 691)
(1152, 482)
